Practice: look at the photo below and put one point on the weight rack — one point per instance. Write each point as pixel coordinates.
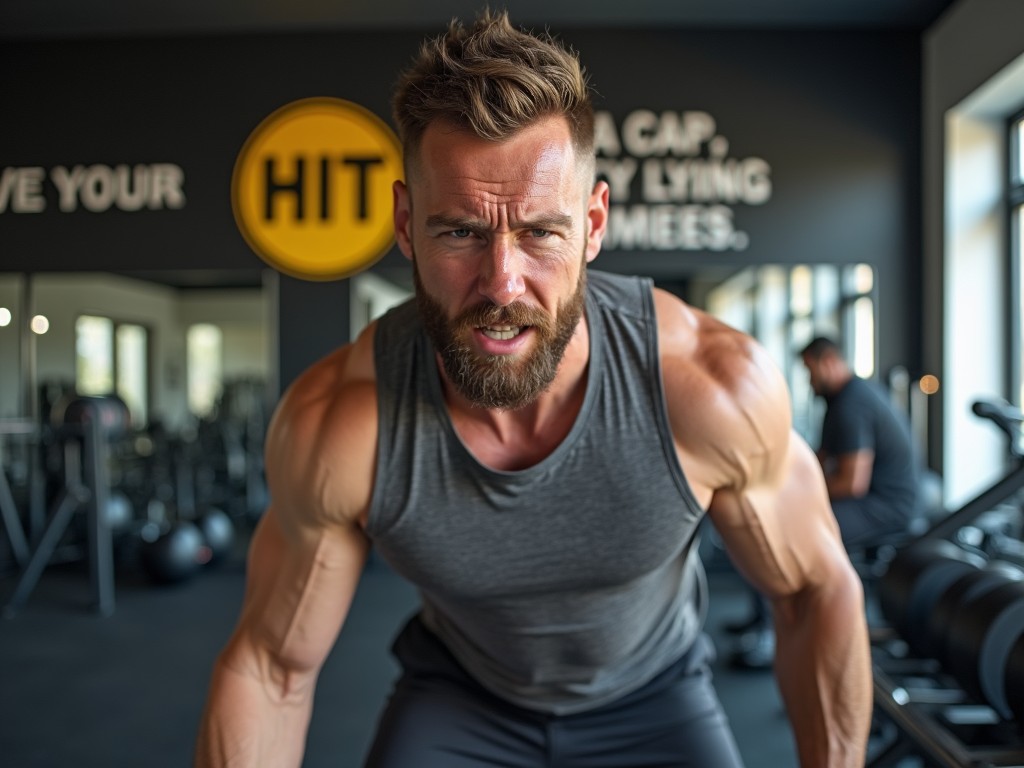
(933, 717)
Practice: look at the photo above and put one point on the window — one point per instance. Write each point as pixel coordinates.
(859, 321)
(94, 355)
(785, 307)
(205, 354)
(113, 358)
(132, 369)
(1016, 261)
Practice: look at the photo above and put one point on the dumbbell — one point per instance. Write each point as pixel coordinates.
(1013, 681)
(965, 589)
(915, 580)
(982, 636)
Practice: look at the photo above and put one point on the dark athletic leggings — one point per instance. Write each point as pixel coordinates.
(437, 717)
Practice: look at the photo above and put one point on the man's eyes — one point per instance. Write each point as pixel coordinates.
(465, 234)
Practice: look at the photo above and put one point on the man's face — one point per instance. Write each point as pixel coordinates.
(818, 370)
(506, 381)
(500, 234)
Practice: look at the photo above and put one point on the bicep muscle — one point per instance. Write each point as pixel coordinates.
(779, 531)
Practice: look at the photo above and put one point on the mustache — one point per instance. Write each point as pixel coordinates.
(517, 313)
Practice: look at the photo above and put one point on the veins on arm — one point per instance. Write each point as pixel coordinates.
(749, 439)
(309, 549)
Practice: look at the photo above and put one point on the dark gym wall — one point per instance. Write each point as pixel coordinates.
(836, 115)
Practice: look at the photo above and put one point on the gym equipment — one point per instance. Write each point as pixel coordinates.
(175, 555)
(177, 552)
(1009, 420)
(229, 443)
(980, 639)
(966, 589)
(218, 534)
(165, 502)
(949, 670)
(1013, 679)
(8, 509)
(119, 510)
(109, 412)
(916, 579)
(83, 427)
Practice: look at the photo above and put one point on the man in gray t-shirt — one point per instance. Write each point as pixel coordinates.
(871, 469)
(867, 453)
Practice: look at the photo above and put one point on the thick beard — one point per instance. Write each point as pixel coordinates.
(503, 382)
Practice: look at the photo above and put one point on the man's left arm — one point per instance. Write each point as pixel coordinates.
(850, 452)
(849, 476)
(780, 532)
(729, 409)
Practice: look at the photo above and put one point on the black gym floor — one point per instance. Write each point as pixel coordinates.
(80, 690)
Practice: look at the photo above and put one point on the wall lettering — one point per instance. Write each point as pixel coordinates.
(672, 184)
(96, 188)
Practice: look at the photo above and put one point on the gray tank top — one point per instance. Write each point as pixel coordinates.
(568, 584)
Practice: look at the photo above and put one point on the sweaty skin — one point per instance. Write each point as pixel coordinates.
(517, 221)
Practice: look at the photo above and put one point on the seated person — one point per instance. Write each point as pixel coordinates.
(871, 468)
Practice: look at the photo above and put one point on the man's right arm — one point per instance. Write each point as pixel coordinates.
(261, 691)
(305, 560)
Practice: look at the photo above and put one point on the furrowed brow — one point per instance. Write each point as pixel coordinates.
(442, 221)
(555, 221)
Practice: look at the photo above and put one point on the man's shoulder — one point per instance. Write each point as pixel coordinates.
(726, 397)
(333, 400)
(694, 343)
(321, 443)
(863, 393)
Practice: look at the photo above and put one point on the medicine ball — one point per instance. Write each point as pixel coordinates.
(175, 555)
(119, 511)
(914, 581)
(218, 533)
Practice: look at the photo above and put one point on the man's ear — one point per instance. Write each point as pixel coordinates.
(403, 218)
(597, 219)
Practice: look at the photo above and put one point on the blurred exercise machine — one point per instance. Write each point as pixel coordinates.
(948, 657)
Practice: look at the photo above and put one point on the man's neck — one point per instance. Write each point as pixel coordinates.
(839, 383)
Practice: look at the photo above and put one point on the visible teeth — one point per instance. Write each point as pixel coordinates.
(501, 332)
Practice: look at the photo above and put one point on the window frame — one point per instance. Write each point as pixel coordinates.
(115, 325)
(1015, 257)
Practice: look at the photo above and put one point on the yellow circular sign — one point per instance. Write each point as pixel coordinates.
(311, 189)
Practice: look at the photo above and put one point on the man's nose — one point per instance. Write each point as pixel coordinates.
(501, 277)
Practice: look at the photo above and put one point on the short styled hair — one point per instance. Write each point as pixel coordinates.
(821, 346)
(493, 80)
